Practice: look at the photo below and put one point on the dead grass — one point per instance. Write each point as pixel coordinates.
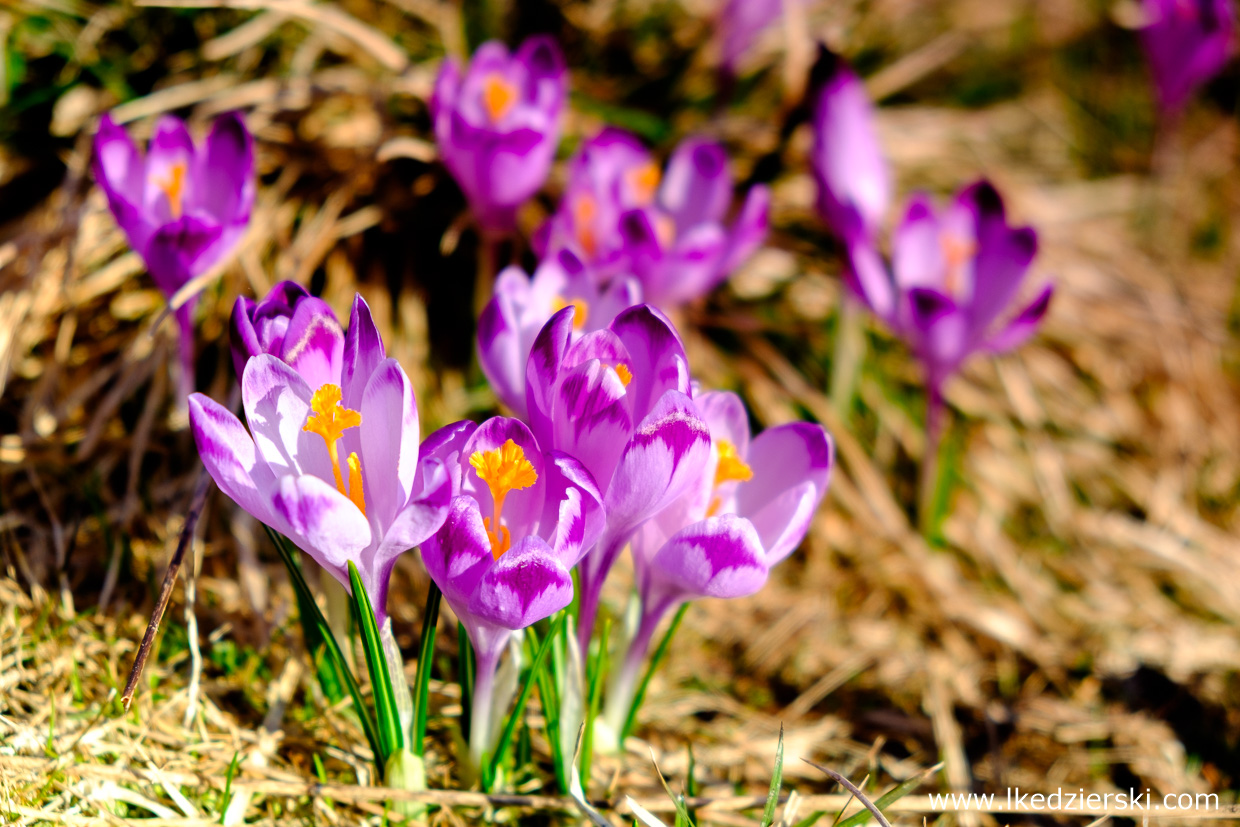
(1075, 627)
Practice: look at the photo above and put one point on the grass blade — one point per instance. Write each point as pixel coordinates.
(597, 676)
(422, 680)
(891, 796)
(655, 660)
(465, 675)
(777, 780)
(518, 711)
(387, 717)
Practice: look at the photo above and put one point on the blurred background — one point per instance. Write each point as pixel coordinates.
(1074, 621)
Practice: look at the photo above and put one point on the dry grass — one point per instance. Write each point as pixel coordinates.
(1076, 625)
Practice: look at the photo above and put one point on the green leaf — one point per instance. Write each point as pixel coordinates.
(777, 780)
(683, 819)
(387, 716)
(549, 699)
(310, 609)
(465, 675)
(518, 711)
(596, 676)
(655, 660)
(422, 680)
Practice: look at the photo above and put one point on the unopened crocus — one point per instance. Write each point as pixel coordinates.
(854, 184)
(497, 123)
(504, 556)
(1187, 42)
(622, 215)
(619, 400)
(183, 207)
(293, 326)
(521, 306)
(334, 468)
(739, 23)
(749, 508)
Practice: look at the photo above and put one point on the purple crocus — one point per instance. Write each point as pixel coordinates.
(749, 508)
(521, 306)
(497, 124)
(621, 215)
(739, 23)
(619, 400)
(503, 558)
(1187, 42)
(854, 184)
(336, 468)
(293, 326)
(182, 207)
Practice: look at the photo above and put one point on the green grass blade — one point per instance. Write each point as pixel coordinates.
(422, 680)
(387, 716)
(597, 674)
(518, 711)
(465, 675)
(777, 780)
(330, 648)
(655, 660)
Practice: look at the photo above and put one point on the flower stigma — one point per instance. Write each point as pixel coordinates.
(329, 419)
(581, 310)
(729, 468)
(503, 469)
(498, 96)
(174, 187)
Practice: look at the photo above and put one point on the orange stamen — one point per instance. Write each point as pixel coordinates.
(174, 187)
(584, 209)
(581, 310)
(329, 419)
(957, 252)
(643, 182)
(498, 96)
(625, 375)
(729, 468)
(503, 469)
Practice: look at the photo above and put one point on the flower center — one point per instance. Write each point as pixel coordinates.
(730, 468)
(643, 181)
(584, 208)
(329, 419)
(622, 372)
(174, 187)
(503, 469)
(957, 252)
(581, 310)
(498, 96)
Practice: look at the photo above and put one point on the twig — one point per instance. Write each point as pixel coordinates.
(854, 789)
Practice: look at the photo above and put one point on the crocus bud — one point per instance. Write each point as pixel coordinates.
(854, 185)
(498, 124)
(1186, 42)
(183, 207)
(293, 326)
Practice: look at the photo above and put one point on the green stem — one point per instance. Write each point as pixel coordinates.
(422, 680)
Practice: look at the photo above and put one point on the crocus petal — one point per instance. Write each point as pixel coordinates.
(314, 343)
(121, 173)
(541, 370)
(697, 186)
(791, 465)
(244, 338)
(389, 441)
(573, 506)
(657, 356)
(445, 446)
(917, 256)
(322, 522)
(277, 405)
(226, 186)
(457, 555)
(171, 146)
(718, 557)
(1003, 255)
(522, 506)
(592, 419)
(180, 250)
(867, 276)
(228, 453)
(499, 339)
(1186, 45)
(749, 230)
(363, 351)
(1025, 323)
(739, 23)
(525, 585)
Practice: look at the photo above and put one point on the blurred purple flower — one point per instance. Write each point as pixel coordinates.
(498, 124)
(182, 207)
(854, 184)
(739, 23)
(1187, 42)
(621, 216)
(749, 508)
(619, 400)
(521, 306)
(293, 326)
(503, 558)
(953, 274)
(336, 469)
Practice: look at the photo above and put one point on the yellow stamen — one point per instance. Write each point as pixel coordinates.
(730, 468)
(174, 187)
(498, 96)
(626, 375)
(503, 469)
(580, 313)
(584, 209)
(643, 182)
(665, 230)
(329, 419)
(957, 252)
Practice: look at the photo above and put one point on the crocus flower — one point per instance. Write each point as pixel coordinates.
(619, 400)
(749, 508)
(336, 468)
(293, 326)
(182, 207)
(953, 274)
(504, 556)
(520, 306)
(854, 185)
(1187, 42)
(621, 215)
(739, 23)
(498, 124)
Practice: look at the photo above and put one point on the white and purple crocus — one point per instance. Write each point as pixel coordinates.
(621, 215)
(295, 327)
(1187, 42)
(618, 399)
(497, 123)
(521, 521)
(183, 207)
(749, 508)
